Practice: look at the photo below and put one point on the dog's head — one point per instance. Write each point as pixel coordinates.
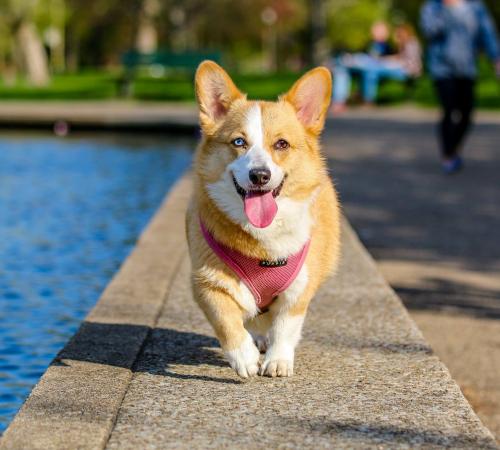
(256, 154)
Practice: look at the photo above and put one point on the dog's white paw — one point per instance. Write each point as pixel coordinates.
(277, 368)
(278, 362)
(245, 359)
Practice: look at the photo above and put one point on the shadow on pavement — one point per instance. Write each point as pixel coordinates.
(165, 349)
(439, 294)
(384, 434)
(405, 209)
(119, 345)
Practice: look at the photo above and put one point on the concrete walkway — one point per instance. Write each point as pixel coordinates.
(435, 238)
(145, 371)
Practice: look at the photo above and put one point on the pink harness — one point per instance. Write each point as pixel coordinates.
(265, 279)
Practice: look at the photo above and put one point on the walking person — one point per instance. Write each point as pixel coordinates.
(457, 30)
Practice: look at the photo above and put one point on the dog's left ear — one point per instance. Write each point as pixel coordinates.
(310, 96)
(215, 91)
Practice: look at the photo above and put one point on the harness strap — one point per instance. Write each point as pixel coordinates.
(265, 279)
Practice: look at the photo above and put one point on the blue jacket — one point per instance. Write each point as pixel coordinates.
(456, 35)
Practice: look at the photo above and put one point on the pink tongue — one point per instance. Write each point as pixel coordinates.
(260, 208)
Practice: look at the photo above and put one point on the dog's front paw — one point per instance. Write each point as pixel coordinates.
(245, 359)
(277, 368)
(278, 363)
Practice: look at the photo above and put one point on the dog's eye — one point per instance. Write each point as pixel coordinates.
(239, 142)
(281, 144)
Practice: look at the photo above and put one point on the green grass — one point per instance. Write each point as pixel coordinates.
(100, 85)
(422, 93)
(86, 85)
(392, 93)
(180, 88)
(105, 85)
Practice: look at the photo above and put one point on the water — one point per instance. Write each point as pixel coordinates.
(70, 212)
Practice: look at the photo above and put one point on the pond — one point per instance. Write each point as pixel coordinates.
(71, 210)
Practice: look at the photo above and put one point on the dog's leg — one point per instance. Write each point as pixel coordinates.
(226, 318)
(258, 327)
(284, 334)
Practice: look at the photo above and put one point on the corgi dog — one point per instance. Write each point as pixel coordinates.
(263, 223)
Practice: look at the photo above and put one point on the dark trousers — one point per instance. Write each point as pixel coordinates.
(456, 96)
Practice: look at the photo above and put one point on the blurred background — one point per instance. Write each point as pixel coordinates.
(73, 199)
(76, 49)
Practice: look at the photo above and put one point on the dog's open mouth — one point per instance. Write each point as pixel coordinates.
(244, 193)
(259, 205)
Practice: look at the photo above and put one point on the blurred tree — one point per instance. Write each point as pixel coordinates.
(18, 17)
(99, 31)
(349, 21)
(407, 11)
(252, 34)
(50, 19)
(248, 31)
(318, 41)
(147, 33)
(494, 7)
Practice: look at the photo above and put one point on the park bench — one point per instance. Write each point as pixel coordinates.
(160, 62)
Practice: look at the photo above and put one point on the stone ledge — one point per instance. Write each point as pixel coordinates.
(144, 370)
(173, 117)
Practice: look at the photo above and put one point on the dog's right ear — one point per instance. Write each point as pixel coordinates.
(215, 91)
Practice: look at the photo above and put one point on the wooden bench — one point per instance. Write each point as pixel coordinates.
(186, 62)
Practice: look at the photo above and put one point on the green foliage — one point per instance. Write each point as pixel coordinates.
(349, 21)
(97, 32)
(99, 85)
(180, 88)
(86, 85)
(406, 11)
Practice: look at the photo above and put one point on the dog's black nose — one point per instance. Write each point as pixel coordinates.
(259, 176)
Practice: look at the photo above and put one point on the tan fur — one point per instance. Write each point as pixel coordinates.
(223, 111)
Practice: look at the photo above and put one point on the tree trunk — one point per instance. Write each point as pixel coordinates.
(33, 54)
(317, 46)
(147, 35)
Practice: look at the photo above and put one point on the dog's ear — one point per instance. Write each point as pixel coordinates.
(310, 96)
(215, 91)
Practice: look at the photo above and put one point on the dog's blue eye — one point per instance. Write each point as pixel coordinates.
(239, 142)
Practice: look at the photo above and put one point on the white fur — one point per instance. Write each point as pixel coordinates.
(245, 359)
(285, 331)
(296, 289)
(239, 292)
(290, 229)
(257, 155)
(254, 125)
(284, 336)
(247, 301)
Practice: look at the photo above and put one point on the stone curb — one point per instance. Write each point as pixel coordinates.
(106, 115)
(83, 399)
(173, 117)
(75, 403)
